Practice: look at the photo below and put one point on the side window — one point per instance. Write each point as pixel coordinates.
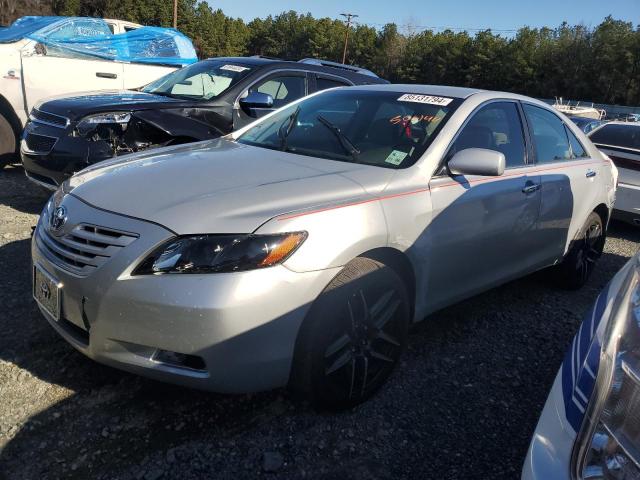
(496, 126)
(577, 150)
(549, 135)
(284, 89)
(324, 83)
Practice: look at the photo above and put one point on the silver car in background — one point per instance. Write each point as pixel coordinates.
(298, 250)
(620, 141)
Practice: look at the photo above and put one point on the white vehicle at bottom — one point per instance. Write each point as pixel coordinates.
(35, 65)
(590, 424)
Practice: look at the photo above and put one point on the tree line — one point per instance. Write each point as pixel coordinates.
(599, 64)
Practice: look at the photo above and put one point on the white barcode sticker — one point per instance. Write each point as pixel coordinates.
(430, 99)
(234, 68)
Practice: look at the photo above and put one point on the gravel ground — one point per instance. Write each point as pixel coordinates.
(463, 404)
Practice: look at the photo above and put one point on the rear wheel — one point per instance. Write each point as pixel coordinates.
(8, 143)
(353, 337)
(575, 269)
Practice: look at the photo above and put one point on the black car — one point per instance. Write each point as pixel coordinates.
(199, 102)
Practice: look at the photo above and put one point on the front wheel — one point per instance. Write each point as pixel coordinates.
(584, 251)
(8, 143)
(353, 337)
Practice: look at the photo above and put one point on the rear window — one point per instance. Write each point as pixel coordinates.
(627, 136)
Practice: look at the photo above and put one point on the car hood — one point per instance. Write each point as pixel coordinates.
(221, 186)
(77, 106)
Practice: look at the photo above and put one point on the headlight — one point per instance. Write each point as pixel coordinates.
(220, 253)
(88, 124)
(609, 447)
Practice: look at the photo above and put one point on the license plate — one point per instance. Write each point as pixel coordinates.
(46, 292)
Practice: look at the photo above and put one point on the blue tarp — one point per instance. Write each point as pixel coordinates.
(82, 37)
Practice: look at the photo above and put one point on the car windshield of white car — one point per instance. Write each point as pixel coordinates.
(386, 129)
(200, 81)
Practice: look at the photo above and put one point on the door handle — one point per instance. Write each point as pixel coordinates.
(590, 173)
(531, 188)
(106, 75)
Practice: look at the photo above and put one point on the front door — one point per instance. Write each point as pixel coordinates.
(483, 229)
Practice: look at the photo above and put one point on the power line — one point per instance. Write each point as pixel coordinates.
(348, 17)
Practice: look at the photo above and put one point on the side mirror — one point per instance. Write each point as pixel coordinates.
(257, 100)
(477, 161)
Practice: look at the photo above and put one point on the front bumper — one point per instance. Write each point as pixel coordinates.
(50, 164)
(243, 326)
(549, 455)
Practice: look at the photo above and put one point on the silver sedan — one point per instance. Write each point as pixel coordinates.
(298, 250)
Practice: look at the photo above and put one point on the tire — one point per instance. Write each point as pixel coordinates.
(584, 251)
(353, 336)
(8, 143)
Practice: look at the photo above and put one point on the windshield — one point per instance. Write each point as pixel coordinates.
(386, 129)
(200, 81)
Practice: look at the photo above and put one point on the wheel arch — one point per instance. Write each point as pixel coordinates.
(401, 264)
(8, 112)
(603, 211)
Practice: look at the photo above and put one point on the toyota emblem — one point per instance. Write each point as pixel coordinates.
(58, 218)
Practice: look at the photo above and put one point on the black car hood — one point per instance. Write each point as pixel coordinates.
(75, 107)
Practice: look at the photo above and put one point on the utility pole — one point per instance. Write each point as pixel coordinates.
(175, 14)
(348, 17)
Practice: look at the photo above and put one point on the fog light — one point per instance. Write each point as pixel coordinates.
(181, 360)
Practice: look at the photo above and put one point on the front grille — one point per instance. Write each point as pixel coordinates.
(49, 118)
(39, 143)
(85, 248)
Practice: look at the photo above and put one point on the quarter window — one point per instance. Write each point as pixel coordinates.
(577, 150)
(284, 89)
(324, 83)
(549, 135)
(496, 126)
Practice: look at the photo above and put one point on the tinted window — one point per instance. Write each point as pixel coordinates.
(496, 126)
(324, 83)
(549, 135)
(284, 89)
(577, 150)
(372, 127)
(618, 135)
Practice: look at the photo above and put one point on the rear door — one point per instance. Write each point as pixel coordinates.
(484, 229)
(284, 86)
(569, 180)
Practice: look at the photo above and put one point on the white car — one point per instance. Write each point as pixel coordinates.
(590, 428)
(30, 73)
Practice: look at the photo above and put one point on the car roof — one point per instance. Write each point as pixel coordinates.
(438, 90)
(260, 61)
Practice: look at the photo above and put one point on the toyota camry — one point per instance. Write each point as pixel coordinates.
(299, 250)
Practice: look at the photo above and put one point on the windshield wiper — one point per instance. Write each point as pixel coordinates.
(347, 144)
(292, 123)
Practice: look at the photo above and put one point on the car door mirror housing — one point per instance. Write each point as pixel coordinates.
(257, 100)
(477, 161)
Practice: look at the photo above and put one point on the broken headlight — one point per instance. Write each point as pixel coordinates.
(610, 442)
(220, 253)
(92, 122)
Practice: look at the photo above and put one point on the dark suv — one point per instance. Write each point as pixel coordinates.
(199, 102)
